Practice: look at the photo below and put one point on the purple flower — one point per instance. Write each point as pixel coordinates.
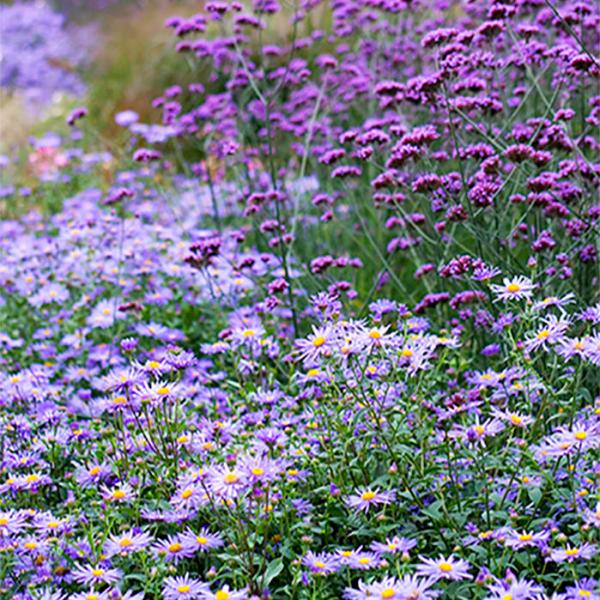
(525, 539)
(126, 543)
(184, 588)
(126, 118)
(94, 575)
(584, 551)
(322, 563)
(367, 498)
(444, 568)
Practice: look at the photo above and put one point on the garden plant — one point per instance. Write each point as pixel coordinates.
(328, 327)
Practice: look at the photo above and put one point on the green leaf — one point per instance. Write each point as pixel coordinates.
(274, 568)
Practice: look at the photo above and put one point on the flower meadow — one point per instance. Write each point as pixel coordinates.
(328, 327)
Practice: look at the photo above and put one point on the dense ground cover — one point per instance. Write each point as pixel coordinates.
(328, 330)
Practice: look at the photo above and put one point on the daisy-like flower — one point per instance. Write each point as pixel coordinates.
(520, 589)
(477, 433)
(32, 481)
(173, 549)
(388, 589)
(591, 350)
(104, 314)
(444, 568)
(513, 418)
(516, 288)
(225, 482)
(581, 437)
(524, 539)
(319, 343)
(91, 595)
(184, 588)
(189, 496)
(584, 551)
(90, 476)
(32, 545)
(248, 334)
(554, 301)
(47, 524)
(375, 337)
(202, 541)
(409, 587)
(224, 593)
(259, 468)
(367, 498)
(126, 543)
(11, 522)
(393, 545)
(157, 392)
(592, 517)
(363, 560)
(322, 563)
(586, 588)
(568, 348)
(551, 332)
(120, 493)
(93, 575)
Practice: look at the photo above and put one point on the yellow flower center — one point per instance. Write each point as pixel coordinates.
(31, 545)
(52, 524)
(176, 547)
(388, 593)
(183, 589)
(257, 471)
(202, 540)
(581, 435)
(406, 353)
(163, 391)
(231, 478)
(118, 495)
(374, 334)
(479, 430)
(507, 597)
(92, 597)
(94, 471)
(3, 521)
(445, 566)
(368, 495)
(513, 288)
(222, 595)
(97, 572)
(32, 478)
(543, 334)
(186, 493)
(125, 543)
(152, 364)
(364, 561)
(119, 400)
(313, 372)
(318, 341)
(525, 537)
(572, 551)
(319, 564)
(516, 420)
(584, 593)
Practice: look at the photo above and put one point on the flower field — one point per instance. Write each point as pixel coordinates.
(327, 325)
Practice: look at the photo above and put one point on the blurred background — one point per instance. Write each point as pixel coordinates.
(109, 55)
